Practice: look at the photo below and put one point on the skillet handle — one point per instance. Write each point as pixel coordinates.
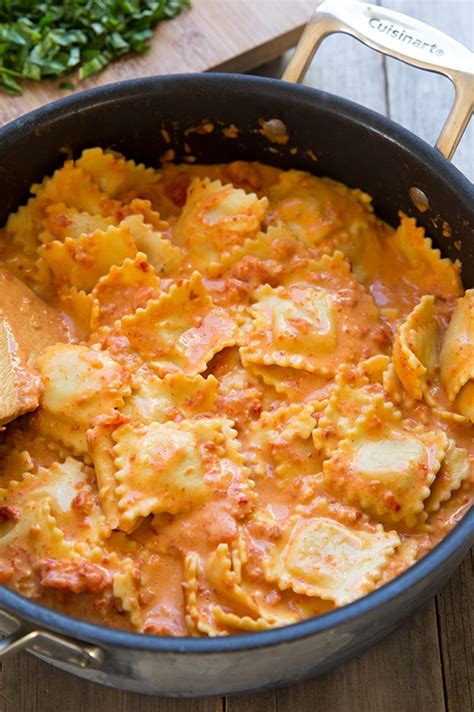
(403, 38)
(46, 644)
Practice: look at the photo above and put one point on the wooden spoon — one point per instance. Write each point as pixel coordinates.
(27, 326)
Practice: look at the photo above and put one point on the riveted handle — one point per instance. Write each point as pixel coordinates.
(51, 646)
(403, 38)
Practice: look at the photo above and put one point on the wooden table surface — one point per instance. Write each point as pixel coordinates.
(426, 666)
(208, 36)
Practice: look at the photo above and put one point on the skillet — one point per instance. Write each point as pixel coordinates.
(352, 145)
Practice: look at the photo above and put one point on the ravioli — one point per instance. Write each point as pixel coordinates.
(457, 356)
(313, 328)
(114, 175)
(172, 397)
(386, 467)
(123, 290)
(215, 219)
(182, 329)
(78, 385)
(261, 407)
(281, 441)
(80, 262)
(414, 348)
(321, 557)
(173, 467)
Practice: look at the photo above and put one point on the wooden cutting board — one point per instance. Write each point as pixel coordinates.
(227, 35)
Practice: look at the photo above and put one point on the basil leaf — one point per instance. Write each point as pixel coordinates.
(50, 39)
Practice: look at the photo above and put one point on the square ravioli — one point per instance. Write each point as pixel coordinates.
(123, 290)
(385, 466)
(165, 258)
(354, 389)
(60, 485)
(173, 397)
(313, 328)
(114, 175)
(414, 348)
(82, 261)
(322, 557)
(280, 446)
(457, 357)
(215, 219)
(182, 330)
(79, 384)
(173, 467)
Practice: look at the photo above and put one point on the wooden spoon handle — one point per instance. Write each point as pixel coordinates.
(19, 387)
(27, 326)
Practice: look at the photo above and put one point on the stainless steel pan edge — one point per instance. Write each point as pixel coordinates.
(188, 667)
(191, 667)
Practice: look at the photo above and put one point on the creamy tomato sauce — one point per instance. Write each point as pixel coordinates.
(254, 399)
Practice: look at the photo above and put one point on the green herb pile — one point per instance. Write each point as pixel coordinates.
(51, 39)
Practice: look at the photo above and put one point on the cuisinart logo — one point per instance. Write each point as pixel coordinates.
(400, 34)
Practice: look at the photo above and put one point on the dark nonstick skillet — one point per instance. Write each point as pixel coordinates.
(353, 145)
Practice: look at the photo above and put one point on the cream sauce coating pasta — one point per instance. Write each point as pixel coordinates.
(261, 407)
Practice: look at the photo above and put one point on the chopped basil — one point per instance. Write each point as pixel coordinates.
(48, 39)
